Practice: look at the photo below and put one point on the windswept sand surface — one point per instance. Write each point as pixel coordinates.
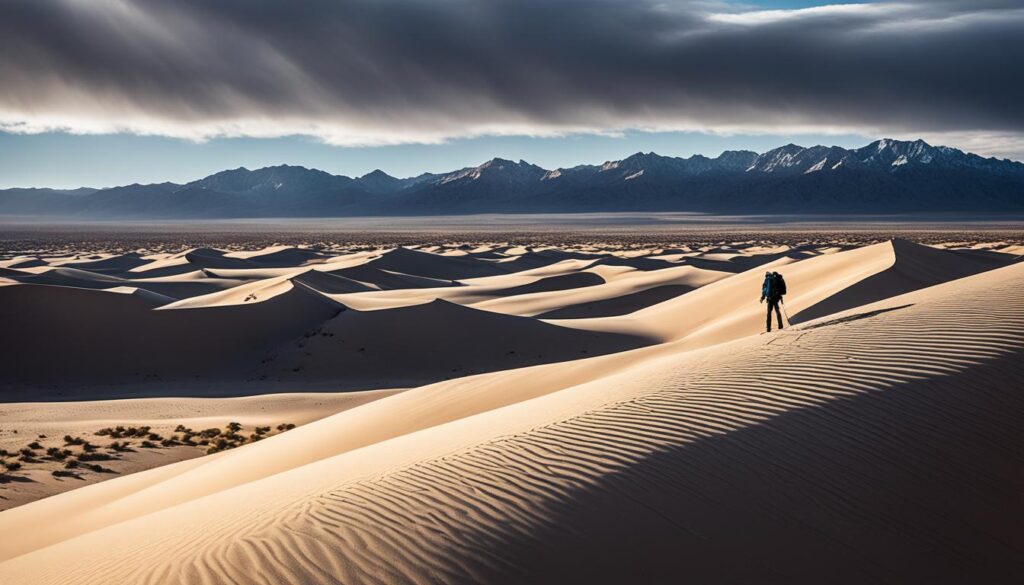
(585, 413)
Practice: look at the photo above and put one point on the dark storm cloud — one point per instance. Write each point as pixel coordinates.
(377, 71)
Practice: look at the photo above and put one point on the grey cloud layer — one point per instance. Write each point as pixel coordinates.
(374, 71)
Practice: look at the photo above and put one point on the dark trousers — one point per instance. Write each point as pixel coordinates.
(773, 303)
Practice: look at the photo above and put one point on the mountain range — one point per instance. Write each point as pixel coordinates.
(884, 177)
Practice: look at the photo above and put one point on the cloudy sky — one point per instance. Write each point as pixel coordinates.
(102, 92)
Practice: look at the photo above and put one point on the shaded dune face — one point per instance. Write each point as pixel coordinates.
(879, 444)
(173, 288)
(556, 283)
(428, 265)
(385, 280)
(912, 267)
(621, 305)
(423, 343)
(69, 335)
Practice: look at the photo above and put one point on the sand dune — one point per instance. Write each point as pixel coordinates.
(913, 267)
(287, 256)
(153, 299)
(572, 286)
(900, 469)
(190, 261)
(22, 262)
(625, 289)
(639, 263)
(434, 266)
(414, 345)
(386, 279)
(741, 258)
(555, 283)
(176, 287)
(257, 292)
(110, 265)
(471, 291)
(106, 338)
(725, 310)
(519, 259)
(258, 321)
(618, 305)
(328, 283)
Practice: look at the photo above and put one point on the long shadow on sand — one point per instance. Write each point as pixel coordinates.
(855, 317)
(918, 483)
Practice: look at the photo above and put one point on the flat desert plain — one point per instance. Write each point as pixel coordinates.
(554, 409)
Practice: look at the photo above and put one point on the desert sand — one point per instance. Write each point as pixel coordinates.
(500, 412)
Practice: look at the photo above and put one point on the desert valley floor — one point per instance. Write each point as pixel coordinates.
(471, 408)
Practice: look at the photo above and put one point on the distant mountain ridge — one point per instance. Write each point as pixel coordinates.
(886, 176)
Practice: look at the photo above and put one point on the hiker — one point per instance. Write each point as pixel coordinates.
(773, 288)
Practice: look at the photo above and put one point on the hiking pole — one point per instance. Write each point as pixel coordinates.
(784, 312)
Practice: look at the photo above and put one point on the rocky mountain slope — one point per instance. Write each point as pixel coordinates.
(884, 177)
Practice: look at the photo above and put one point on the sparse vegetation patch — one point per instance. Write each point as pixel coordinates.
(74, 455)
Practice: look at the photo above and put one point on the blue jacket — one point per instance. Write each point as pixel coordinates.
(768, 288)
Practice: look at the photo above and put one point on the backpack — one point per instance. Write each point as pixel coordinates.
(778, 284)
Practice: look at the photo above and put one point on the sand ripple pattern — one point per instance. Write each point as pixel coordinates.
(881, 449)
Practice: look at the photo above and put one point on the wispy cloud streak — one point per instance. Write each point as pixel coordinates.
(393, 71)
